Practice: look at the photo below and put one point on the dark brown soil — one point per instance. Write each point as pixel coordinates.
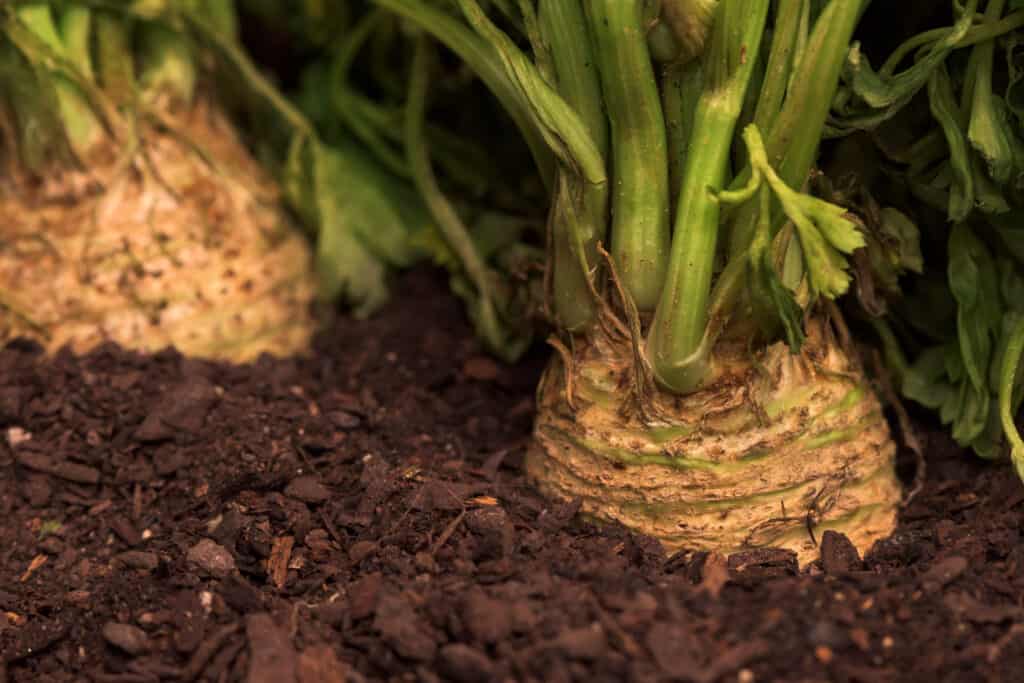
(360, 515)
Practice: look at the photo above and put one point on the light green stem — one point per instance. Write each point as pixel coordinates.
(640, 193)
(674, 344)
(564, 27)
(976, 34)
(81, 125)
(484, 61)
(793, 141)
(448, 221)
(115, 60)
(780, 62)
(681, 85)
(76, 34)
(166, 62)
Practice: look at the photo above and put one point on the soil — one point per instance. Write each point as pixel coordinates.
(361, 515)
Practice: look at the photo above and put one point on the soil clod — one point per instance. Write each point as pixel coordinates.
(838, 554)
(211, 558)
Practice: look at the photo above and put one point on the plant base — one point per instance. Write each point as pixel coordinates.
(178, 240)
(778, 449)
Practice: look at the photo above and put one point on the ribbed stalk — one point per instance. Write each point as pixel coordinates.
(681, 85)
(640, 193)
(563, 26)
(76, 35)
(166, 63)
(82, 128)
(115, 60)
(792, 142)
(675, 341)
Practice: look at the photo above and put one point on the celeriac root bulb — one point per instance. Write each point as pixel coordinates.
(776, 450)
(178, 240)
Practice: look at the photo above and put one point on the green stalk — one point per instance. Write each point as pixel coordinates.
(640, 199)
(986, 132)
(166, 63)
(780, 62)
(448, 220)
(681, 85)
(674, 344)
(485, 62)
(798, 129)
(38, 18)
(82, 128)
(115, 60)
(1007, 384)
(76, 34)
(792, 143)
(563, 26)
(976, 34)
(219, 15)
(582, 171)
(343, 99)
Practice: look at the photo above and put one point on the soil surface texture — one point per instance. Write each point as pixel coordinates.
(361, 515)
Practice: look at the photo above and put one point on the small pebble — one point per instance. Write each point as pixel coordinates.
(464, 664)
(342, 419)
(211, 557)
(136, 559)
(17, 436)
(861, 638)
(130, 639)
(307, 489)
(51, 545)
(360, 550)
(481, 368)
(838, 554)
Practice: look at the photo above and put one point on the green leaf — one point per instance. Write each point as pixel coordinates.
(365, 219)
(947, 112)
(1009, 397)
(561, 128)
(772, 301)
(824, 231)
(905, 240)
(925, 380)
(974, 283)
(881, 95)
(988, 130)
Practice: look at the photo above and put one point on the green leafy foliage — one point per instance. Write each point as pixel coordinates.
(825, 236)
(960, 320)
(361, 229)
(349, 172)
(964, 377)
(871, 97)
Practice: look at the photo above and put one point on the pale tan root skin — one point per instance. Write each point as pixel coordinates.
(178, 241)
(772, 453)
